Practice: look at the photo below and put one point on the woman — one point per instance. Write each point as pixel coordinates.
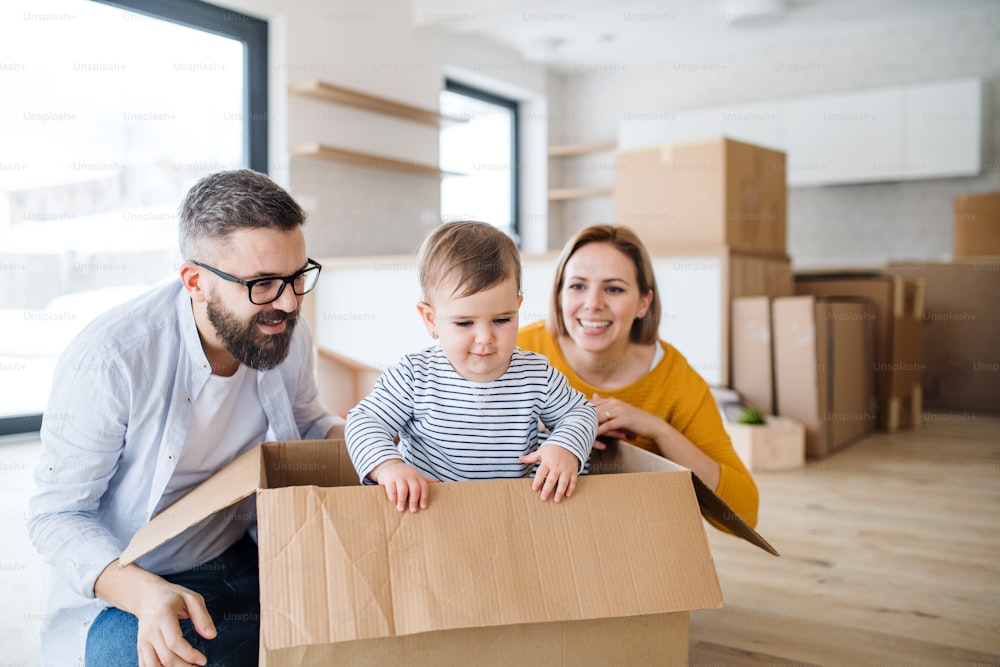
(602, 333)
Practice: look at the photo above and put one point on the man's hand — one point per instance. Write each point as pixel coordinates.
(557, 471)
(160, 638)
(159, 606)
(402, 483)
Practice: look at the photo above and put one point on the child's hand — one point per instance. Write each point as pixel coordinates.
(402, 482)
(557, 471)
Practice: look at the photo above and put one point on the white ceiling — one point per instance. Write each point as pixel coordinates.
(568, 34)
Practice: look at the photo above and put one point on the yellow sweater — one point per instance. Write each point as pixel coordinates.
(676, 392)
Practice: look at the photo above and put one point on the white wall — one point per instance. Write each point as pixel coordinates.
(374, 47)
(832, 226)
(379, 324)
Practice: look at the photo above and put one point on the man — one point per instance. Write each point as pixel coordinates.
(152, 398)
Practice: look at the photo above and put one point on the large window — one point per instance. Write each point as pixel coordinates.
(482, 148)
(112, 110)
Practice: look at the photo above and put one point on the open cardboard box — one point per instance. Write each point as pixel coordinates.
(487, 570)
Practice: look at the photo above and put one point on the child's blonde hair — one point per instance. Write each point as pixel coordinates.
(476, 255)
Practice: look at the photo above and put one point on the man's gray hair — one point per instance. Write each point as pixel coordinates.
(227, 201)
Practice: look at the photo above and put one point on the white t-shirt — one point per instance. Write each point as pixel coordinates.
(226, 420)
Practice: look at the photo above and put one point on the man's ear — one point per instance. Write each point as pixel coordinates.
(191, 279)
(427, 315)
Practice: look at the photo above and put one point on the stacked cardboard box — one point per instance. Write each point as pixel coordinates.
(719, 197)
(898, 366)
(962, 310)
(717, 191)
(977, 225)
(961, 331)
(822, 368)
(753, 353)
(487, 570)
(808, 360)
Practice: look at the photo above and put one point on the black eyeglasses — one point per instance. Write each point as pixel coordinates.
(263, 291)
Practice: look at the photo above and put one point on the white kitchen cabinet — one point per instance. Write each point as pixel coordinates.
(849, 138)
(943, 126)
(930, 130)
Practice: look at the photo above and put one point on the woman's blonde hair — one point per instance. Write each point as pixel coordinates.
(645, 329)
(476, 255)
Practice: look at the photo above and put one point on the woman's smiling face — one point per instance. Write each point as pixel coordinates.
(600, 297)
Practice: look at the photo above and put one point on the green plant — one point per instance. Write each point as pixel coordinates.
(752, 416)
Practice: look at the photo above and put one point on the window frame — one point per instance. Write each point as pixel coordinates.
(453, 86)
(252, 32)
(249, 30)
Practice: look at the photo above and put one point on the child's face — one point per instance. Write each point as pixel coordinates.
(478, 332)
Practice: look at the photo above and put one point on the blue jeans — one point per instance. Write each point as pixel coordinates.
(231, 588)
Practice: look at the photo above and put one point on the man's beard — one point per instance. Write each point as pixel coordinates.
(246, 342)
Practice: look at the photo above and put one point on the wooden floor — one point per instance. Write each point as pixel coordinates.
(890, 556)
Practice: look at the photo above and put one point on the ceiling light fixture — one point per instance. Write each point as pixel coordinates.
(752, 13)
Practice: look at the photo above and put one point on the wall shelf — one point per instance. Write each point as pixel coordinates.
(328, 92)
(576, 150)
(324, 152)
(565, 194)
(569, 150)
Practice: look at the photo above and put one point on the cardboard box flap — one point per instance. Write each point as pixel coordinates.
(621, 456)
(233, 483)
(714, 507)
(637, 546)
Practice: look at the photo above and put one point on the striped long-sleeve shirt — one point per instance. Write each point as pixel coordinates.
(452, 429)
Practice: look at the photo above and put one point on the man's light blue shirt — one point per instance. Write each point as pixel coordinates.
(114, 429)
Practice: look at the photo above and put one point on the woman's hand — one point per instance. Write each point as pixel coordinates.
(618, 419)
